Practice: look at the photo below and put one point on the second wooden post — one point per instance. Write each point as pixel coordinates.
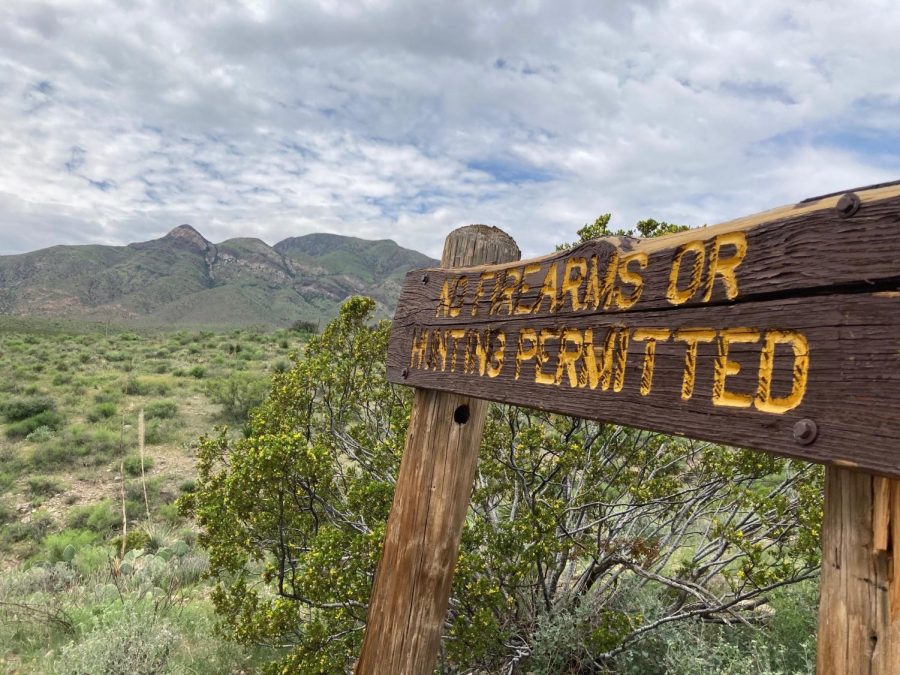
(412, 585)
(859, 597)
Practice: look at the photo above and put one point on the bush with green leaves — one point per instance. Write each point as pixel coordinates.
(570, 523)
(147, 386)
(102, 411)
(49, 419)
(161, 410)
(44, 486)
(126, 640)
(63, 546)
(132, 465)
(22, 408)
(103, 517)
(78, 444)
(238, 393)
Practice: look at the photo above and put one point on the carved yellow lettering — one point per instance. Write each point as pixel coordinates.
(598, 291)
(678, 296)
(438, 351)
(621, 356)
(725, 267)
(495, 364)
(524, 353)
(545, 336)
(479, 292)
(724, 367)
(572, 284)
(799, 373)
(600, 371)
(443, 308)
(476, 352)
(456, 337)
(631, 277)
(509, 281)
(419, 347)
(521, 307)
(651, 336)
(569, 357)
(593, 373)
(692, 336)
(548, 290)
(453, 294)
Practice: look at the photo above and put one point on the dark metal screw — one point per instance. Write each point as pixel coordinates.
(805, 432)
(424, 278)
(404, 373)
(848, 204)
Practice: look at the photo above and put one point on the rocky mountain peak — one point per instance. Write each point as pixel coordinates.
(188, 235)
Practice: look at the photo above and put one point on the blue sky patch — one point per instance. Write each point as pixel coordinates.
(514, 173)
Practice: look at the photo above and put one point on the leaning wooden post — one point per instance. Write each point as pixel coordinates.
(412, 585)
(859, 606)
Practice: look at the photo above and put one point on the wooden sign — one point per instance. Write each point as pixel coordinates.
(779, 332)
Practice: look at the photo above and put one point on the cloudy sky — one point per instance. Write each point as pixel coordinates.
(403, 119)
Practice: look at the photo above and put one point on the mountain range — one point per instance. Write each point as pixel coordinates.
(182, 279)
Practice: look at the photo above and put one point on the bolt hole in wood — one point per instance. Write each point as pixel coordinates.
(461, 414)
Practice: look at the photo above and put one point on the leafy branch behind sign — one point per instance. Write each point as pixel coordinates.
(602, 534)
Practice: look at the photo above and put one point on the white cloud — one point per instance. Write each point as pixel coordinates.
(403, 120)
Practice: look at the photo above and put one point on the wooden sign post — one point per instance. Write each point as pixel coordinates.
(412, 585)
(778, 332)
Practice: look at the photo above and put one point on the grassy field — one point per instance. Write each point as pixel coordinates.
(70, 400)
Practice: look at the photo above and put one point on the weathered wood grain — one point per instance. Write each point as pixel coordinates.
(412, 585)
(828, 277)
(859, 633)
(803, 250)
(852, 391)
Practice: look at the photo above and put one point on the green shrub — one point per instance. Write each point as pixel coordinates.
(102, 518)
(198, 372)
(132, 465)
(7, 513)
(302, 326)
(136, 386)
(41, 435)
(133, 641)
(23, 428)
(84, 445)
(102, 411)
(45, 486)
(26, 407)
(170, 513)
(62, 378)
(238, 393)
(161, 410)
(135, 540)
(35, 529)
(55, 545)
(188, 486)
(109, 396)
(89, 559)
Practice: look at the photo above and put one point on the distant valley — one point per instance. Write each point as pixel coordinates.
(182, 279)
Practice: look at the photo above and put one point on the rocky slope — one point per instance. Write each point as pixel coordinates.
(183, 279)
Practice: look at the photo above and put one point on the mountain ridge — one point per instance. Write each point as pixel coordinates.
(182, 278)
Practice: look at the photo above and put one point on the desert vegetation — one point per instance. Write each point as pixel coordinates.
(80, 592)
(202, 501)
